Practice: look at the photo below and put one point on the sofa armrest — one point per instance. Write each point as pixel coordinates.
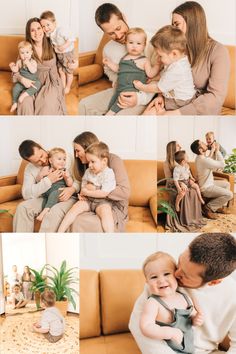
(7, 180)
(153, 207)
(87, 58)
(9, 193)
(228, 176)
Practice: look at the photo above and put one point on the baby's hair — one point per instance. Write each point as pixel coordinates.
(100, 149)
(48, 297)
(157, 255)
(209, 133)
(137, 30)
(169, 38)
(48, 15)
(16, 285)
(24, 44)
(55, 151)
(180, 156)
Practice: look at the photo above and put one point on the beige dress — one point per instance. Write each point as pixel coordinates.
(50, 100)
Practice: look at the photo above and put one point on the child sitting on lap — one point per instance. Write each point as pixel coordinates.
(168, 313)
(26, 66)
(133, 66)
(52, 323)
(183, 174)
(17, 298)
(176, 80)
(98, 181)
(57, 160)
(63, 44)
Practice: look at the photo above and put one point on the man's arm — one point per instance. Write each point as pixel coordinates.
(32, 189)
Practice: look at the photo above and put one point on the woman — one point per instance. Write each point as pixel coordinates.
(189, 217)
(26, 280)
(50, 99)
(89, 221)
(209, 60)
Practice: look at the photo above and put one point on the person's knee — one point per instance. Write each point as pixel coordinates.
(230, 195)
(103, 209)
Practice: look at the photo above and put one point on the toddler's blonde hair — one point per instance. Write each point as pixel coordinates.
(48, 297)
(100, 149)
(24, 44)
(170, 38)
(137, 30)
(55, 151)
(48, 15)
(209, 133)
(157, 255)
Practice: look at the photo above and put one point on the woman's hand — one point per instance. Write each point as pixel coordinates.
(27, 83)
(66, 193)
(127, 100)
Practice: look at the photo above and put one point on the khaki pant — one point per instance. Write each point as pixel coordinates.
(26, 212)
(98, 103)
(219, 194)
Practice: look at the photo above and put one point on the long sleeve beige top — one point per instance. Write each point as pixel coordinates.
(211, 81)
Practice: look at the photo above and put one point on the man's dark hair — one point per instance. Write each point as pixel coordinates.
(104, 13)
(180, 156)
(195, 147)
(26, 148)
(217, 252)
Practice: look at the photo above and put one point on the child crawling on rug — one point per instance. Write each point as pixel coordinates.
(17, 298)
(52, 323)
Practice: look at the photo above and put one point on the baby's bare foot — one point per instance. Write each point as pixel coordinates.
(13, 107)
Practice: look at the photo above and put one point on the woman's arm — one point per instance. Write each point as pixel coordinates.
(122, 190)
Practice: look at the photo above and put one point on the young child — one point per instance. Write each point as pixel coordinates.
(63, 43)
(182, 173)
(17, 298)
(52, 323)
(14, 277)
(98, 181)
(57, 161)
(176, 81)
(168, 313)
(133, 66)
(210, 139)
(27, 67)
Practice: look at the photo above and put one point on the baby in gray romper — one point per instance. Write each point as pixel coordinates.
(27, 68)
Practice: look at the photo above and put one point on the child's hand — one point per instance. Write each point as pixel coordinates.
(13, 67)
(90, 186)
(60, 48)
(106, 61)
(82, 198)
(177, 335)
(198, 319)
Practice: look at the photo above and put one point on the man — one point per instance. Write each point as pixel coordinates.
(204, 268)
(112, 22)
(32, 191)
(217, 190)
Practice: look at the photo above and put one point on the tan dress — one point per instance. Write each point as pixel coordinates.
(50, 100)
(190, 216)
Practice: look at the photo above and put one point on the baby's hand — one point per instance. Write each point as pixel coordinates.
(198, 319)
(138, 84)
(177, 335)
(81, 197)
(90, 186)
(106, 61)
(13, 67)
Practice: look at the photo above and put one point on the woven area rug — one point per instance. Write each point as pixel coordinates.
(30, 307)
(224, 223)
(17, 336)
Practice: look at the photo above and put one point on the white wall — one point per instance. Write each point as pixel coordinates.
(187, 129)
(153, 14)
(129, 137)
(15, 14)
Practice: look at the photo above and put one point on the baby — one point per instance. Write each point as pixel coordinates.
(168, 313)
(183, 175)
(63, 44)
(57, 161)
(26, 66)
(176, 81)
(133, 66)
(52, 323)
(17, 298)
(98, 181)
(210, 139)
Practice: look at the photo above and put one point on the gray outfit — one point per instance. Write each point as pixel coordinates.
(51, 197)
(18, 88)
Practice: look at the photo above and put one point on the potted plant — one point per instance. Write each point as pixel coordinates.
(162, 204)
(39, 283)
(230, 163)
(60, 282)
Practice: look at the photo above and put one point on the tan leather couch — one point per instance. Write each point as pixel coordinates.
(9, 53)
(142, 202)
(106, 306)
(92, 79)
(163, 195)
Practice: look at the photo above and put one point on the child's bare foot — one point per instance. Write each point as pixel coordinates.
(67, 90)
(110, 113)
(22, 97)
(42, 214)
(202, 201)
(177, 207)
(13, 107)
(138, 84)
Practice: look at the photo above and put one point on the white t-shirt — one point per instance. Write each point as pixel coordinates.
(18, 297)
(59, 36)
(177, 81)
(53, 320)
(104, 180)
(181, 172)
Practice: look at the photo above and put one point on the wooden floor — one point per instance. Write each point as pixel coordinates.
(93, 87)
(161, 217)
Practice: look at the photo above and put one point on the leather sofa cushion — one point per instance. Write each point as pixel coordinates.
(113, 344)
(140, 220)
(119, 290)
(89, 304)
(6, 219)
(231, 94)
(90, 73)
(8, 193)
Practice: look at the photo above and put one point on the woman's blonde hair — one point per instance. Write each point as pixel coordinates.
(198, 39)
(136, 30)
(170, 154)
(47, 52)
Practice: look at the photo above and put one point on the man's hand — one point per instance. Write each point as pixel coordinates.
(66, 194)
(127, 100)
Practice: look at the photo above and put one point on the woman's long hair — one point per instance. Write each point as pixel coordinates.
(170, 154)
(198, 39)
(84, 139)
(47, 49)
